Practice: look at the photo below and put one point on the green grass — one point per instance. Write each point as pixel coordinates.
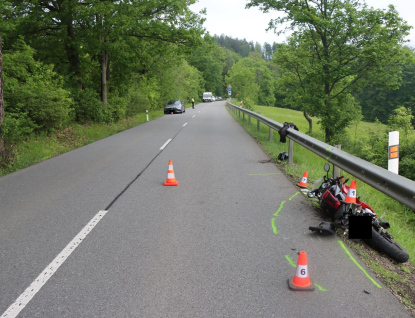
(282, 115)
(401, 218)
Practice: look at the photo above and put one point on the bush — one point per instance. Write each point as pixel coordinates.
(15, 128)
(248, 104)
(88, 106)
(33, 91)
(117, 107)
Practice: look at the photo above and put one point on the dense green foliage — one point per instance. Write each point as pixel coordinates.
(379, 101)
(253, 81)
(336, 48)
(243, 47)
(94, 61)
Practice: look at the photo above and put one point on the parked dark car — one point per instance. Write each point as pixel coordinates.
(174, 106)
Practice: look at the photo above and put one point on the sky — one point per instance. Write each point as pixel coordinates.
(229, 17)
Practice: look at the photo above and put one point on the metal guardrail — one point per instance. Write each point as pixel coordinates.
(395, 186)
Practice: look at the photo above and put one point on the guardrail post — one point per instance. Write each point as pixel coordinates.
(270, 133)
(243, 116)
(336, 170)
(249, 120)
(258, 125)
(239, 113)
(290, 152)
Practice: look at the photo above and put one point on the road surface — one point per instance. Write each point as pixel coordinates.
(95, 233)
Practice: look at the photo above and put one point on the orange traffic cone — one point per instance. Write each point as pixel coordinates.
(171, 179)
(351, 194)
(301, 281)
(242, 103)
(303, 182)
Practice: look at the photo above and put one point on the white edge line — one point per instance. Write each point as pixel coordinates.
(165, 144)
(194, 115)
(47, 273)
(185, 124)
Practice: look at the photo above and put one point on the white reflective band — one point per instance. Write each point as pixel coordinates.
(170, 167)
(303, 179)
(301, 271)
(170, 175)
(352, 193)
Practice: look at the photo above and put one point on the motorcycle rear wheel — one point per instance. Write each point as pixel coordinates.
(387, 245)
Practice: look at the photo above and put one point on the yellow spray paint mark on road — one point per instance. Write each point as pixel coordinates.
(264, 174)
(293, 196)
(279, 210)
(320, 287)
(274, 227)
(292, 264)
(358, 265)
(290, 261)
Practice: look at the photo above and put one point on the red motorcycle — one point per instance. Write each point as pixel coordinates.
(332, 192)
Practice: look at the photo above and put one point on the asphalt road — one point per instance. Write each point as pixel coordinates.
(95, 233)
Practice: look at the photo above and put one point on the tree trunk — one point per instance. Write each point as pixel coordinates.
(328, 134)
(72, 53)
(104, 76)
(104, 60)
(310, 122)
(2, 152)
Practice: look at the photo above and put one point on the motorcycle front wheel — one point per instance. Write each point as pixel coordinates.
(384, 243)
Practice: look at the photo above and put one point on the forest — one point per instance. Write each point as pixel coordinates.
(101, 61)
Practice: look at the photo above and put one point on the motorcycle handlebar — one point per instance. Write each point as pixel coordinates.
(336, 180)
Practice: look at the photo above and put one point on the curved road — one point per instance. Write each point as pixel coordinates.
(95, 233)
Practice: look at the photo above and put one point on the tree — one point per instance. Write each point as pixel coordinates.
(242, 78)
(381, 100)
(401, 120)
(230, 60)
(35, 93)
(241, 47)
(267, 51)
(258, 83)
(85, 39)
(1, 103)
(338, 47)
(209, 59)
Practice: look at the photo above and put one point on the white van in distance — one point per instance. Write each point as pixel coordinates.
(207, 97)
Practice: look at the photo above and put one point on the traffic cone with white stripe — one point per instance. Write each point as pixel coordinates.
(171, 179)
(301, 280)
(303, 182)
(351, 194)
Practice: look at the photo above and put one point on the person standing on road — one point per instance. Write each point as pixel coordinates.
(193, 102)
